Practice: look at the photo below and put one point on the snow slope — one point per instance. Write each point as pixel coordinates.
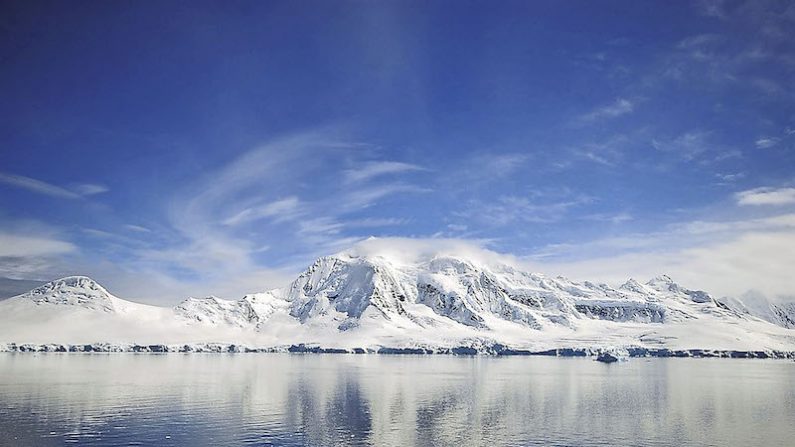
(354, 300)
(755, 304)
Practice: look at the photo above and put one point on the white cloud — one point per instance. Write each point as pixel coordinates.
(31, 249)
(729, 178)
(697, 145)
(37, 186)
(457, 227)
(411, 250)
(540, 208)
(98, 233)
(766, 196)
(502, 164)
(620, 107)
(730, 61)
(280, 210)
(370, 170)
(699, 41)
(481, 168)
(18, 245)
(276, 197)
(713, 8)
(137, 228)
(162, 288)
(364, 197)
(76, 192)
(212, 247)
(767, 142)
(608, 152)
(723, 258)
(612, 218)
(689, 145)
(768, 86)
(89, 189)
(321, 225)
(755, 254)
(372, 222)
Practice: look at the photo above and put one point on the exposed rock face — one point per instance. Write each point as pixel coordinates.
(215, 311)
(344, 288)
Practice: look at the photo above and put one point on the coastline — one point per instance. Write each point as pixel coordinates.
(496, 350)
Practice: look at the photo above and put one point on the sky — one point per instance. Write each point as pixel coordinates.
(174, 149)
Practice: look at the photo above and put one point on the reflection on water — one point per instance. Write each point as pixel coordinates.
(281, 399)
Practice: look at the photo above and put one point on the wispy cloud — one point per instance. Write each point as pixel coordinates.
(611, 218)
(89, 189)
(608, 152)
(620, 106)
(766, 196)
(372, 222)
(19, 245)
(539, 208)
(713, 8)
(37, 186)
(503, 164)
(732, 60)
(483, 168)
(698, 146)
(728, 178)
(29, 249)
(274, 205)
(365, 197)
(698, 42)
(767, 142)
(768, 86)
(41, 187)
(282, 209)
(688, 145)
(370, 170)
(137, 228)
(721, 257)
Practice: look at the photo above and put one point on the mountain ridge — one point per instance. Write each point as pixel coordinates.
(350, 300)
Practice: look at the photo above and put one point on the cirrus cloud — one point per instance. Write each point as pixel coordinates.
(766, 196)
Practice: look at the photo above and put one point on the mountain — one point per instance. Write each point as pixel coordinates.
(245, 313)
(755, 304)
(353, 300)
(77, 291)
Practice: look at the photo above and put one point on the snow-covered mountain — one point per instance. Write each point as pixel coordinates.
(755, 304)
(351, 300)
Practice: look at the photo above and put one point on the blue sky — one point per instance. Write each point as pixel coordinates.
(218, 147)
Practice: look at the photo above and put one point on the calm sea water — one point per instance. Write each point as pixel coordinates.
(327, 400)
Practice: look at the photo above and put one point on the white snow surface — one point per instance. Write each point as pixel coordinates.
(368, 300)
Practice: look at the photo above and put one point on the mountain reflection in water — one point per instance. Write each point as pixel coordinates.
(281, 399)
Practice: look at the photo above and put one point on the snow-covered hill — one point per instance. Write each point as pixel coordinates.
(353, 300)
(757, 305)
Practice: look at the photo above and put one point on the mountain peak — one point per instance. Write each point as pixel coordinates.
(664, 283)
(70, 282)
(633, 285)
(79, 291)
(664, 279)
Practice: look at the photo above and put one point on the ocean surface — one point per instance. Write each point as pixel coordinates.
(382, 400)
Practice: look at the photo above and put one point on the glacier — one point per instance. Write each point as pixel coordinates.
(360, 303)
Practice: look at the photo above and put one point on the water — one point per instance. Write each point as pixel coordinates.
(281, 399)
